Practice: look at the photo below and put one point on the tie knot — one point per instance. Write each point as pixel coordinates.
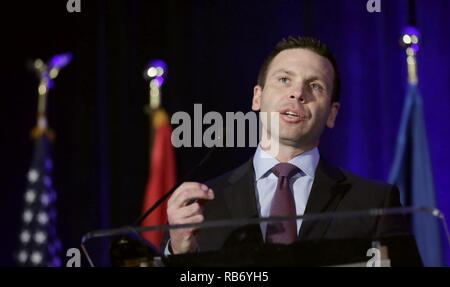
(285, 169)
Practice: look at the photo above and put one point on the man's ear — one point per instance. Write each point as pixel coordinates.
(256, 103)
(333, 114)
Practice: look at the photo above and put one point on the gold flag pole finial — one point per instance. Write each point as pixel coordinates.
(410, 41)
(42, 72)
(155, 72)
(46, 73)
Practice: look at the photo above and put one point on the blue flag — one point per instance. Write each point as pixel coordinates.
(39, 244)
(412, 173)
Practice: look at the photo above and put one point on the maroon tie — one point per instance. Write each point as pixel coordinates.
(283, 204)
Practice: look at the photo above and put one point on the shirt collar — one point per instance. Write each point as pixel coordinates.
(307, 162)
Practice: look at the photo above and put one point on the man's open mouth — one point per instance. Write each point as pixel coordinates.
(291, 114)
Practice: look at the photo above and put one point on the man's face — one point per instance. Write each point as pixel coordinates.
(299, 85)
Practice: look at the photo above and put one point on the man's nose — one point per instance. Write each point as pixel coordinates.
(297, 94)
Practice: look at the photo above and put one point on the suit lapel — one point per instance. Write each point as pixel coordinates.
(241, 203)
(328, 189)
(240, 193)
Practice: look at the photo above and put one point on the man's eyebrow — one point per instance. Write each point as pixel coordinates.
(314, 78)
(291, 73)
(284, 71)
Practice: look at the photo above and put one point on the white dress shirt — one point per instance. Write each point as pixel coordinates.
(300, 183)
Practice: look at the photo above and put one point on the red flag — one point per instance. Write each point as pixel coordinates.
(162, 175)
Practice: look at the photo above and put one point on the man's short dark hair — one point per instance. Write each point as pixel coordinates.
(308, 43)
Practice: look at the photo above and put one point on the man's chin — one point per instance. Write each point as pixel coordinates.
(293, 141)
(298, 138)
(293, 136)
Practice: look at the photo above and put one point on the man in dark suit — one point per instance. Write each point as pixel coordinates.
(300, 82)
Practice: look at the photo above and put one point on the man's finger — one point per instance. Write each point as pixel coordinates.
(189, 210)
(187, 196)
(184, 187)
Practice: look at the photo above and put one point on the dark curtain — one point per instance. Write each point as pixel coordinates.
(214, 50)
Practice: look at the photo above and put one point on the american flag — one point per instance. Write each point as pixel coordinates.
(39, 244)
